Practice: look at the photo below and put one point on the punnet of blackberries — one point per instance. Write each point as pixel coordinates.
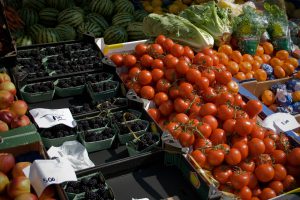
(94, 78)
(99, 195)
(103, 86)
(92, 123)
(145, 141)
(123, 116)
(93, 136)
(39, 87)
(86, 184)
(135, 126)
(37, 75)
(111, 103)
(58, 131)
(85, 108)
(71, 82)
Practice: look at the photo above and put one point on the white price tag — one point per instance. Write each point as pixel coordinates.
(281, 122)
(46, 118)
(43, 173)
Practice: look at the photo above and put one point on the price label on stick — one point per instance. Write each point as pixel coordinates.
(281, 122)
(43, 173)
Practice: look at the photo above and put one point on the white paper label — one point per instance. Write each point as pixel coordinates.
(46, 118)
(43, 173)
(281, 122)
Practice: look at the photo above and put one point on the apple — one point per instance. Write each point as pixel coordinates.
(9, 86)
(18, 169)
(6, 99)
(19, 107)
(18, 186)
(6, 116)
(26, 196)
(20, 121)
(4, 181)
(7, 162)
(4, 78)
(3, 126)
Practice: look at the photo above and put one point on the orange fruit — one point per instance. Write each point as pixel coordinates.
(296, 96)
(245, 67)
(258, 59)
(282, 54)
(255, 65)
(266, 58)
(223, 58)
(240, 76)
(236, 56)
(276, 62)
(279, 72)
(297, 75)
(259, 50)
(268, 97)
(273, 107)
(233, 67)
(225, 49)
(260, 75)
(249, 75)
(268, 48)
(288, 68)
(248, 58)
(293, 61)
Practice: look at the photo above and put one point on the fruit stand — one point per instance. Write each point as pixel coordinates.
(149, 99)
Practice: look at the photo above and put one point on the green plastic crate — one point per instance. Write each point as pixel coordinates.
(67, 92)
(57, 141)
(36, 97)
(81, 196)
(105, 94)
(131, 148)
(124, 138)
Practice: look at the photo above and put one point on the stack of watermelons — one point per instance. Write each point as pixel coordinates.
(48, 21)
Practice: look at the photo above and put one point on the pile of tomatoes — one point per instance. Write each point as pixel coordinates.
(198, 103)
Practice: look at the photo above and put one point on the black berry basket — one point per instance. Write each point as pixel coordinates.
(103, 90)
(70, 86)
(97, 140)
(38, 92)
(99, 77)
(92, 123)
(146, 142)
(126, 115)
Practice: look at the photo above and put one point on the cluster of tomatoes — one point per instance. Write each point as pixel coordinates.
(198, 103)
(246, 66)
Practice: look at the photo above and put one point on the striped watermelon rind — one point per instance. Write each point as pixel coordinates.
(34, 30)
(36, 4)
(114, 35)
(47, 35)
(59, 4)
(90, 28)
(71, 16)
(29, 16)
(66, 32)
(124, 6)
(122, 19)
(102, 7)
(139, 15)
(135, 31)
(48, 16)
(97, 19)
(24, 40)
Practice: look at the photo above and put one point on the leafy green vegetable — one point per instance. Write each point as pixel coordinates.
(278, 21)
(250, 24)
(178, 29)
(209, 17)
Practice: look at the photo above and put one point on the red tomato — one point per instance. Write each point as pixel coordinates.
(270, 145)
(185, 59)
(146, 60)
(215, 157)
(155, 50)
(174, 129)
(280, 172)
(147, 92)
(208, 109)
(267, 193)
(211, 120)
(202, 143)
(223, 77)
(208, 51)
(222, 173)
(181, 105)
(181, 118)
(245, 193)
(210, 74)
(161, 39)
(233, 157)
(243, 127)
(277, 186)
(293, 157)
(289, 182)
(163, 85)
(199, 157)
(168, 44)
(185, 89)
(225, 98)
(216, 60)
(203, 83)
(256, 147)
(141, 49)
(193, 75)
(247, 165)
(279, 156)
(282, 142)
(170, 62)
(182, 67)
(129, 60)
(258, 132)
(225, 112)
(253, 107)
(160, 98)
(166, 108)
(157, 74)
(197, 57)
(264, 172)
(204, 61)
(144, 77)
(174, 92)
(253, 181)
(209, 95)
(188, 52)
(133, 72)
(243, 148)
(237, 138)
(157, 64)
(154, 113)
(228, 126)
(177, 50)
(171, 75)
(204, 129)
(186, 139)
(195, 108)
(240, 179)
(117, 59)
(218, 136)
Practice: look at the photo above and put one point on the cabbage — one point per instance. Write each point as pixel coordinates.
(178, 29)
(216, 21)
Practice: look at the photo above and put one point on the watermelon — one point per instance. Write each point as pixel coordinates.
(59, 4)
(16, 4)
(90, 28)
(48, 16)
(122, 19)
(34, 30)
(97, 19)
(139, 15)
(71, 16)
(124, 6)
(47, 35)
(102, 7)
(135, 31)
(24, 40)
(36, 4)
(114, 35)
(29, 16)
(66, 32)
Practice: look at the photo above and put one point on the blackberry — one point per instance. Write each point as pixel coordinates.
(70, 189)
(101, 190)
(90, 195)
(92, 182)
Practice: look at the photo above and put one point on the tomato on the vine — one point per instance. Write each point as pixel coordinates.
(174, 129)
(280, 172)
(144, 77)
(243, 148)
(157, 64)
(185, 89)
(270, 145)
(223, 77)
(225, 98)
(204, 129)
(147, 92)
(154, 113)
(243, 127)
(181, 118)
(211, 120)
(264, 172)
(133, 72)
(181, 105)
(171, 75)
(208, 109)
(203, 83)
(173, 92)
(233, 157)
(256, 146)
(160, 98)
(279, 156)
(146, 60)
(215, 157)
(222, 173)
(225, 112)
(193, 75)
(267, 193)
(155, 50)
(277, 186)
(210, 74)
(117, 59)
(177, 50)
(163, 85)
(199, 157)
(293, 157)
(160, 39)
(247, 165)
(186, 139)
(218, 136)
(168, 44)
(141, 49)
(188, 52)
(204, 61)
(129, 60)
(202, 144)
(157, 74)
(239, 179)
(253, 107)
(209, 94)
(228, 126)
(258, 132)
(166, 108)
(245, 193)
